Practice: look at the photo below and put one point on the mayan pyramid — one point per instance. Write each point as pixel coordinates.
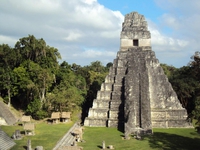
(6, 115)
(136, 92)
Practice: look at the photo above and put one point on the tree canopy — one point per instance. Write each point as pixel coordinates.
(32, 79)
(186, 83)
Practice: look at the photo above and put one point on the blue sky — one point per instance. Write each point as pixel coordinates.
(145, 7)
(88, 30)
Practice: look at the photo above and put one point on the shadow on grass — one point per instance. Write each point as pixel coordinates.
(100, 147)
(166, 141)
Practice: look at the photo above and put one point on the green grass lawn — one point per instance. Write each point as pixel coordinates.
(162, 139)
(46, 135)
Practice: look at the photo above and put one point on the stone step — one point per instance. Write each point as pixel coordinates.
(106, 87)
(119, 78)
(114, 114)
(120, 70)
(111, 72)
(116, 96)
(103, 95)
(122, 55)
(100, 104)
(115, 102)
(98, 113)
(96, 122)
(114, 64)
(113, 123)
(117, 86)
(120, 65)
(115, 108)
(67, 139)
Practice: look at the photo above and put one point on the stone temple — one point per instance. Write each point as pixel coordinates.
(136, 93)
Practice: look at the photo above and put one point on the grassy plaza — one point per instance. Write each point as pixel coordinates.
(47, 136)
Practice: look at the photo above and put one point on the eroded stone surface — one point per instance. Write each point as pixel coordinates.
(136, 94)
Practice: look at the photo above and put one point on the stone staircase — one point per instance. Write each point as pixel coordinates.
(136, 92)
(67, 139)
(5, 141)
(108, 107)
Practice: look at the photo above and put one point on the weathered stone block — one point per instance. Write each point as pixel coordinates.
(159, 115)
(159, 124)
(94, 122)
(112, 123)
(121, 55)
(111, 72)
(113, 114)
(120, 71)
(119, 79)
(118, 87)
(179, 124)
(106, 87)
(98, 113)
(109, 79)
(100, 104)
(103, 95)
(117, 95)
(136, 90)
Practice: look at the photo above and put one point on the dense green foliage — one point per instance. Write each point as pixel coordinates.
(32, 80)
(186, 82)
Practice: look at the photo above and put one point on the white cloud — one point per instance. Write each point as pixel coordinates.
(73, 36)
(26, 8)
(7, 40)
(166, 42)
(178, 31)
(169, 20)
(66, 25)
(91, 53)
(181, 16)
(179, 7)
(72, 25)
(89, 1)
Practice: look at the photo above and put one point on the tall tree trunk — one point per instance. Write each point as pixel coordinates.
(43, 95)
(43, 90)
(9, 98)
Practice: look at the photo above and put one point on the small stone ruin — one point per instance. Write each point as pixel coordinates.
(17, 135)
(28, 147)
(136, 95)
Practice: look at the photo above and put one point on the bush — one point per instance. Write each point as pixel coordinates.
(35, 110)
